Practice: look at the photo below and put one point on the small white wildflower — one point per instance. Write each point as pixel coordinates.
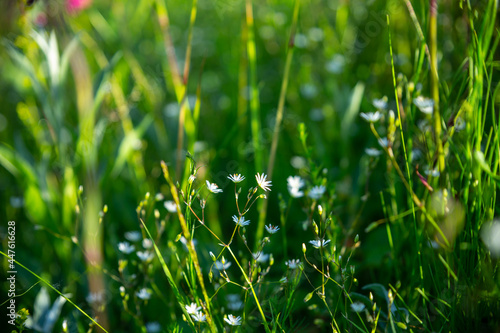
(293, 264)
(432, 172)
(371, 117)
(373, 152)
(357, 306)
(191, 179)
(147, 243)
(236, 178)
(490, 233)
(222, 265)
(145, 256)
(193, 308)
(199, 317)
(185, 243)
(240, 221)
(263, 182)
(212, 187)
(261, 257)
(272, 229)
(317, 192)
(380, 104)
(153, 327)
(133, 236)
(232, 320)
(170, 206)
(95, 297)
(159, 197)
(319, 243)
(295, 183)
(425, 105)
(143, 294)
(383, 142)
(126, 247)
(234, 302)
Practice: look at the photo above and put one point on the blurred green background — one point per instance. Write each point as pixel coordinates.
(87, 98)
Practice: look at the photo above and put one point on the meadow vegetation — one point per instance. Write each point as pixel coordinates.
(251, 166)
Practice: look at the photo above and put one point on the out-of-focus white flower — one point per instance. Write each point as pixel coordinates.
(295, 183)
(232, 320)
(143, 294)
(372, 152)
(425, 105)
(170, 206)
(319, 243)
(293, 263)
(126, 247)
(147, 243)
(357, 306)
(193, 308)
(133, 236)
(153, 327)
(381, 103)
(371, 117)
(316, 192)
(222, 265)
(145, 256)
(199, 317)
(490, 233)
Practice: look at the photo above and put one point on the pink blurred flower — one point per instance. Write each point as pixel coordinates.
(74, 6)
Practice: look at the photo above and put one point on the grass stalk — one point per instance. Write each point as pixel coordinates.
(190, 246)
(435, 84)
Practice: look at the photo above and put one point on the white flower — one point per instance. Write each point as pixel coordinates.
(143, 294)
(380, 104)
(373, 152)
(191, 179)
(234, 302)
(272, 229)
(425, 105)
(294, 185)
(96, 297)
(222, 265)
(261, 257)
(212, 187)
(159, 197)
(490, 233)
(319, 243)
(236, 178)
(170, 206)
(133, 236)
(153, 327)
(147, 243)
(263, 182)
(357, 306)
(232, 320)
(293, 264)
(199, 316)
(240, 221)
(383, 142)
(192, 308)
(317, 192)
(125, 247)
(432, 172)
(145, 256)
(371, 117)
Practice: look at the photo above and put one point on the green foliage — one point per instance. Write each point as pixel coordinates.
(328, 165)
